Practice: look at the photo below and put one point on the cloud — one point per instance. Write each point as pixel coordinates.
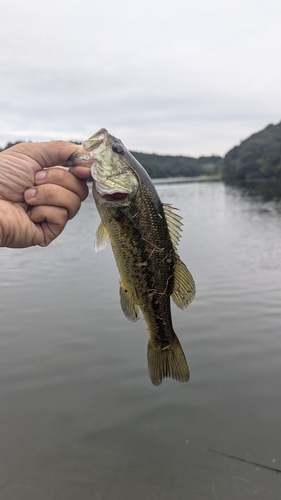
(193, 80)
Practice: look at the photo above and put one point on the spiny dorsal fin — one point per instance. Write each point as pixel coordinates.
(184, 286)
(173, 222)
(101, 238)
(129, 308)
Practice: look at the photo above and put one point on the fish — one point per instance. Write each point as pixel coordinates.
(144, 235)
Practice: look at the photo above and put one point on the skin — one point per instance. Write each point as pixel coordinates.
(37, 197)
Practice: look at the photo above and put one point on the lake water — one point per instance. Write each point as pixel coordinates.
(79, 417)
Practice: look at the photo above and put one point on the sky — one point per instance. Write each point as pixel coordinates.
(181, 77)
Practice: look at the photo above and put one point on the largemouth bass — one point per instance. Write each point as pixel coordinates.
(144, 233)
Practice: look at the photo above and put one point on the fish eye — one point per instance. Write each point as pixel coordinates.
(117, 148)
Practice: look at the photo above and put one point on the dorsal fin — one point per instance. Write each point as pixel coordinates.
(173, 222)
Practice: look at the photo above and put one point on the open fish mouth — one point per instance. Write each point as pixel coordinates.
(115, 196)
(109, 195)
(104, 184)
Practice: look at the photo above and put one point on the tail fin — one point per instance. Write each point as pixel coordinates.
(167, 362)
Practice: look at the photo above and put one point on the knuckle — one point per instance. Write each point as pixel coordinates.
(63, 216)
(75, 207)
(84, 191)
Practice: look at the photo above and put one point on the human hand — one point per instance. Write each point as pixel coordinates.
(36, 201)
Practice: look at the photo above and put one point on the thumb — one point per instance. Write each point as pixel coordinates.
(45, 154)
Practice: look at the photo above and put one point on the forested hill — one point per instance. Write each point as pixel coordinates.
(258, 157)
(158, 166)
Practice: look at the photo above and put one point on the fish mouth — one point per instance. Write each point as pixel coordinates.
(109, 196)
(115, 196)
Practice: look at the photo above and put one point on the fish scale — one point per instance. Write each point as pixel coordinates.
(150, 284)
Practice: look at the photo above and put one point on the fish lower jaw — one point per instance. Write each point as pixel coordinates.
(115, 197)
(103, 193)
(109, 197)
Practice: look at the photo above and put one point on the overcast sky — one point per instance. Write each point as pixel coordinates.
(191, 77)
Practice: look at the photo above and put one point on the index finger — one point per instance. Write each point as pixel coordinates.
(81, 172)
(61, 176)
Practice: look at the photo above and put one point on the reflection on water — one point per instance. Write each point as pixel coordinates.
(79, 417)
(261, 190)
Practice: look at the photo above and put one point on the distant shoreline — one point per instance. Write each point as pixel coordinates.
(179, 180)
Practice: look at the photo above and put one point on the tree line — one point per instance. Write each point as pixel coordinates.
(257, 157)
(161, 166)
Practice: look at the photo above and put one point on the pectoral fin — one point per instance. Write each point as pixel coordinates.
(101, 238)
(184, 286)
(129, 308)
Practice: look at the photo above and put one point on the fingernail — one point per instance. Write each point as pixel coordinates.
(40, 175)
(30, 193)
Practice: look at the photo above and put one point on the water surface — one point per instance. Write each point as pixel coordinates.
(79, 417)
